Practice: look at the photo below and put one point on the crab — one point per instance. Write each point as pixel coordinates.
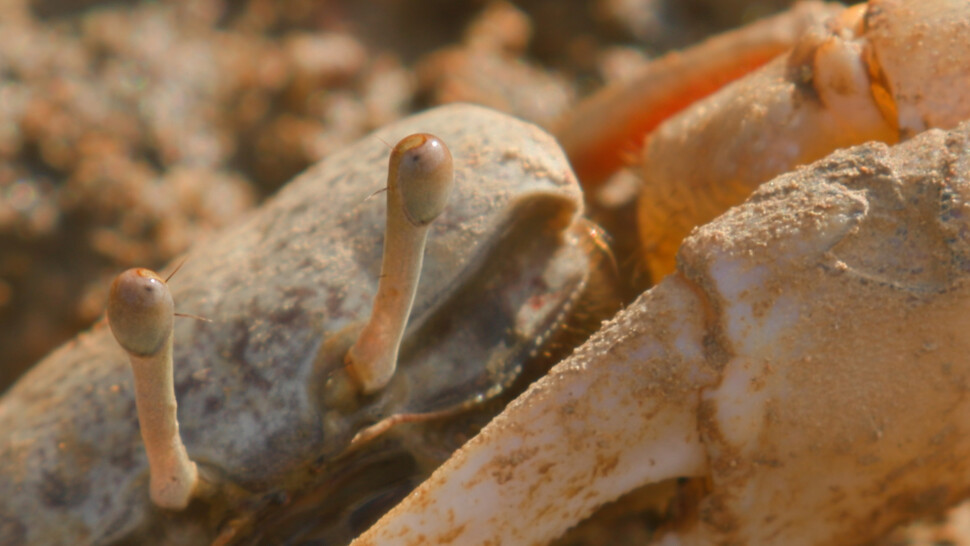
(288, 449)
(806, 362)
(726, 371)
(285, 295)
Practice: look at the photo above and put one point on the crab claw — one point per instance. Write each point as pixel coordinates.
(609, 418)
(809, 358)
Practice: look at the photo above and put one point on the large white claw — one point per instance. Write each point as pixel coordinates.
(619, 413)
(810, 357)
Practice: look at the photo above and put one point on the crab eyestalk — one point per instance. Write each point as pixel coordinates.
(419, 180)
(141, 315)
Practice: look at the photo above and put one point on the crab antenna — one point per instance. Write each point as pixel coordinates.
(141, 315)
(419, 180)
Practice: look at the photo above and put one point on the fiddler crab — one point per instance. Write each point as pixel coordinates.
(803, 359)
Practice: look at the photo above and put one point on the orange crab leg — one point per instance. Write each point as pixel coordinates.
(609, 128)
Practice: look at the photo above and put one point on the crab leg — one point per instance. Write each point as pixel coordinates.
(608, 129)
(873, 73)
(807, 351)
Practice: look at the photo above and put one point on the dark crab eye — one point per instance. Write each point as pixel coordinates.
(140, 311)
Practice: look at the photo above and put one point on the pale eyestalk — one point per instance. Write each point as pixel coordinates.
(419, 180)
(141, 315)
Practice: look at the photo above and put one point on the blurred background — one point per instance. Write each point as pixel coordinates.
(129, 130)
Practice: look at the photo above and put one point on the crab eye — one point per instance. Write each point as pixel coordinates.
(421, 167)
(141, 315)
(420, 175)
(140, 311)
